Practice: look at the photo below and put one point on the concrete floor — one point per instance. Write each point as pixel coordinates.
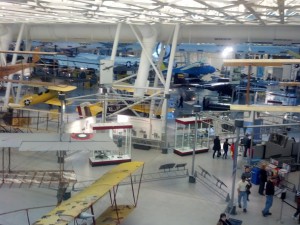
(171, 201)
(162, 202)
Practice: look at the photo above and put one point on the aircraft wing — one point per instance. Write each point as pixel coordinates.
(55, 142)
(259, 62)
(61, 87)
(48, 85)
(264, 108)
(56, 102)
(70, 209)
(124, 87)
(130, 88)
(290, 84)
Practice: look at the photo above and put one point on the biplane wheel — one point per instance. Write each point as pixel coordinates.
(27, 102)
(99, 115)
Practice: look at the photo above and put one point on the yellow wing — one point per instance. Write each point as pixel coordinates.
(56, 102)
(259, 62)
(48, 85)
(264, 108)
(71, 208)
(126, 87)
(289, 84)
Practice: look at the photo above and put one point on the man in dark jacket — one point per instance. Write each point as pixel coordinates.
(262, 179)
(246, 143)
(225, 148)
(270, 190)
(296, 214)
(217, 147)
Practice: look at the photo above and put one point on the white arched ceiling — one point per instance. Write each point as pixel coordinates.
(208, 12)
(276, 34)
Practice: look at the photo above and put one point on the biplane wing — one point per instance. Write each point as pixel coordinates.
(259, 62)
(290, 84)
(48, 85)
(10, 69)
(129, 88)
(71, 209)
(124, 89)
(58, 142)
(265, 108)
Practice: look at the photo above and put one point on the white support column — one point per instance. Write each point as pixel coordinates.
(171, 60)
(14, 60)
(169, 75)
(155, 84)
(149, 39)
(5, 40)
(116, 42)
(28, 46)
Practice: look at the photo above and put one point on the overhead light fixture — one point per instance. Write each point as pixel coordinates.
(227, 51)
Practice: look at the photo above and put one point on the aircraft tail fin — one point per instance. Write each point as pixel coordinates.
(36, 56)
(163, 66)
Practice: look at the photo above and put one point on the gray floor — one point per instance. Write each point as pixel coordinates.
(161, 202)
(172, 201)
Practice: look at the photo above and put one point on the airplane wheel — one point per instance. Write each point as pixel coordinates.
(99, 115)
(27, 102)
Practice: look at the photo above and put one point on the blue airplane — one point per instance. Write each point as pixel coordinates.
(194, 70)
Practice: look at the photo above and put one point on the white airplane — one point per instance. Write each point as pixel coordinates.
(87, 60)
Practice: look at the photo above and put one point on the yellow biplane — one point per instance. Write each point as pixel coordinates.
(73, 208)
(260, 62)
(116, 105)
(49, 96)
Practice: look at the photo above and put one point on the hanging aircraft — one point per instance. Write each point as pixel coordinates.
(48, 96)
(87, 60)
(73, 208)
(11, 69)
(195, 70)
(260, 62)
(123, 100)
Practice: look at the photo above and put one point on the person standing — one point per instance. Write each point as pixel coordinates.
(270, 190)
(245, 143)
(217, 147)
(248, 148)
(223, 220)
(232, 150)
(263, 175)
(242, 194)
(247, 174)
(180, 105)
(225, 148)
(296, 214)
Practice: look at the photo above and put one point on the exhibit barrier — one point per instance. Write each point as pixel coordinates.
(29, 120)
(214, 184)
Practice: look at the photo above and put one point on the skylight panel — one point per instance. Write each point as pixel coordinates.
(185, 3)
(172, 11)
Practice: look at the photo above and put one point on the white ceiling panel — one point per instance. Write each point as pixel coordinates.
(211, 12)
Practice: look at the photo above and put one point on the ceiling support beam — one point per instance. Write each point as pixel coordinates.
(281, 10)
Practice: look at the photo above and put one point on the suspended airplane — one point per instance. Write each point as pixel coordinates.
(197, 69)
(258, 62)
(49, 96)
(122, 100)
(87, 60)
(11, 69)
(72, 209)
